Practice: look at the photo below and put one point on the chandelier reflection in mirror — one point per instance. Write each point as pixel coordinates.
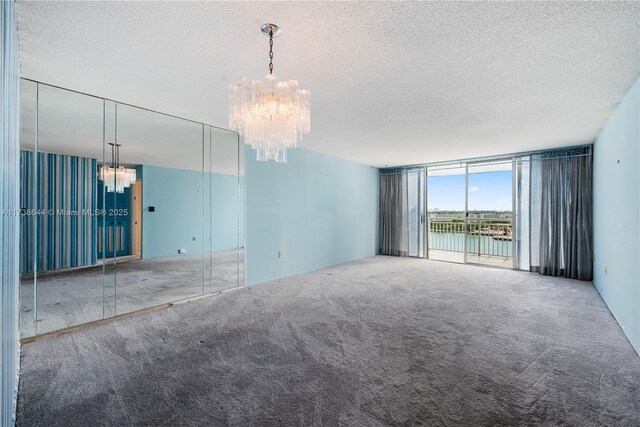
(116, 178)
(270, 115)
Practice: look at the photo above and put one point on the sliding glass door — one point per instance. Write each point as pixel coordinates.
(446, 213)
(470, 213)
(489, 214)
(499, 212)
(415, 212)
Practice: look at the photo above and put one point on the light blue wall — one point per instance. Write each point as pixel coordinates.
(177, 196)
(9, 201)
(319, 210)
(616, 214)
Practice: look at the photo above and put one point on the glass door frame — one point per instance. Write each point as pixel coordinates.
(421, 217)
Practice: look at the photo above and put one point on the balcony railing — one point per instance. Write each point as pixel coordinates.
(484, 236)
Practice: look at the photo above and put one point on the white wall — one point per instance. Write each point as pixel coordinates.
(9, 203)
(616, 214)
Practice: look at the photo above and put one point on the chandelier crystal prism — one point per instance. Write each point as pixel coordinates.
(270, 115)
(116, 178)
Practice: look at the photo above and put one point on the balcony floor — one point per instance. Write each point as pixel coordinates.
(492, 260)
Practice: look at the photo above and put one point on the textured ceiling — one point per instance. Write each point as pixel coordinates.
(391, 83)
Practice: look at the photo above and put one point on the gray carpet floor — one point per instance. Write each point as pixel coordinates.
(80, 296)
(382, 341)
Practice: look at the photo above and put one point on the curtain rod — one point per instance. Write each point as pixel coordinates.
(500, 159)
(529, 160)
(425, 168)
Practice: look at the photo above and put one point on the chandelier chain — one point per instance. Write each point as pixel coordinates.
(270, 51)
(115, 153)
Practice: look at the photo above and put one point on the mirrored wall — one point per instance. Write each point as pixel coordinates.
(122, 209)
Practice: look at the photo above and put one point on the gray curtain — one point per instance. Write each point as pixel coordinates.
(394, 214)
(561, 216)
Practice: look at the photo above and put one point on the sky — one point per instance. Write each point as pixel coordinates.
(487, 191)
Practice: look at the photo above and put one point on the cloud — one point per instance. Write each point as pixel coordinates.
(473, 189)
(503, 200)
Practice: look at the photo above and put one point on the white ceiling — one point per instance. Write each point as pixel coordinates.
(391, 83)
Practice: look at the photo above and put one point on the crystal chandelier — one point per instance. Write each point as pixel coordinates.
(270, 115)
(116, 178)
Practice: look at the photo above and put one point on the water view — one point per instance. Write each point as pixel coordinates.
(489, 232)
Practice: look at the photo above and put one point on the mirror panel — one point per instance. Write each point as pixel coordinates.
(99, 241)
(28, 113)
(242, 214)
(226, 217)
(166, 154)
(107, 238)
(68, 280)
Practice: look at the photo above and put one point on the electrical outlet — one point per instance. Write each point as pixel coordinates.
(280, 254)
(182, 251)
